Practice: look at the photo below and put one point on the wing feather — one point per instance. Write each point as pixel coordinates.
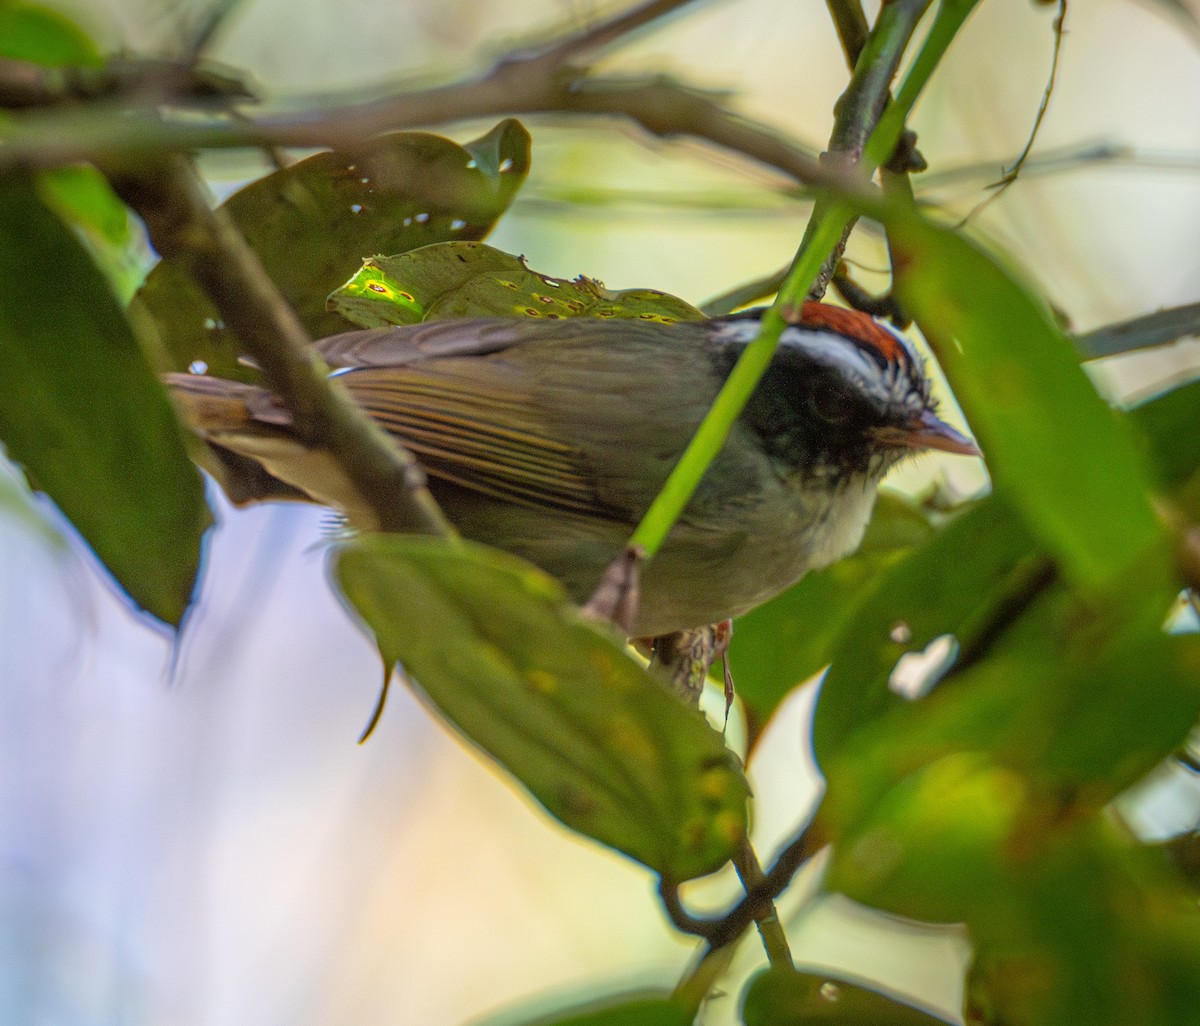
(476, 434)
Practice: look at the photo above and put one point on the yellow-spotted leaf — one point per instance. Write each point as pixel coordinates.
(314, 222)
(497, 649)
(81, 411)
(469, 279)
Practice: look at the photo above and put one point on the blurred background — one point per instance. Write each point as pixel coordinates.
(189, 833)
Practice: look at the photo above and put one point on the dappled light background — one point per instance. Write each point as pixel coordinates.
(188, 832)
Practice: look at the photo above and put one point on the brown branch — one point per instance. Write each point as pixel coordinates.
(756, 905)
(24, 84)
(859, 108)
(168, 196)
(1154, 329)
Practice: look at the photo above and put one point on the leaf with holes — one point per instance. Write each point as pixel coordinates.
(314, 222)
(495, 646)
(469, 279)
(786, 640)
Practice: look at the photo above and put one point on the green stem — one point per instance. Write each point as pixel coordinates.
(699, 981)
(770, 929)
(822, 237)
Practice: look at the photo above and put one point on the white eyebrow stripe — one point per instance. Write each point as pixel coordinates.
(833, 350)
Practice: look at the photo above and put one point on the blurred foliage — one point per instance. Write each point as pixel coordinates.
(84, 416)
(782, 997)
(982, 797)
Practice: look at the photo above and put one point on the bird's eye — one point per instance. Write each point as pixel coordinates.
(829, 406)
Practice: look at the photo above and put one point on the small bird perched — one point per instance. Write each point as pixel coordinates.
(550, 439)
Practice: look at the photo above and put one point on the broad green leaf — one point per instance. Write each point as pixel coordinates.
(1071, 921)
(786, 640)
(495, 646)
(314, 222)
(780, 997)
(624, 1010)
(33, 32)
(81, 411)
(1064, 459)
(1071, 706)
(469, 279)
(939, 589)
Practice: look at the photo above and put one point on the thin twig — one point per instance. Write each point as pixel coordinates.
(757, 903)
(852, 28)
(858, 112)
(1012, 173)
(1153, 329)
(774, 940)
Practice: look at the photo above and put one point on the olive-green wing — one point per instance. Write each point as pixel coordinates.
(477, 432)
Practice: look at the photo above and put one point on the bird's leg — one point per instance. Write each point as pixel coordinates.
(617, 595)
(685, 657)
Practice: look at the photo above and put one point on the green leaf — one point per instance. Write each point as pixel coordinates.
(1071, 921)
(32, 32)
(82, 197)
(786, 640)
(81, 411)
(495, 646)
(781, 997)
(469, 279)
(623, 1010)
(1064, 459)
(959, 578)
(314, 222)
(1170, 425)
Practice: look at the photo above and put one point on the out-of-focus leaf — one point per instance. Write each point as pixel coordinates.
(82, 197)
(937, 589)
(625, 1010)
(1088, 713)
(313, 223)
(33, 32)
(1071, 920)
(779, 997)
(81, 411)
(1064, 459)
(469, 279)
(1171, 427)
(787, 640)
(499, 651)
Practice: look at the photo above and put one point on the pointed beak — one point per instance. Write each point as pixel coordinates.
(928, 431)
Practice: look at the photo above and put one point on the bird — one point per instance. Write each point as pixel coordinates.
(549, 438)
